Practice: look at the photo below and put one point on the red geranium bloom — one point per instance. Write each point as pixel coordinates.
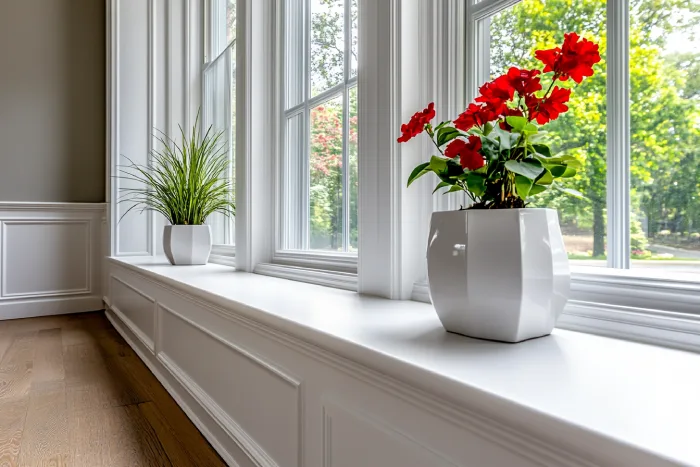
(468, 152)
(524, 81)
(475, 115)
(575, 58)
(546, 110)
(497, 92)
(417, 123)
(510, 113)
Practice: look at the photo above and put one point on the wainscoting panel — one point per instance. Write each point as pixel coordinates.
(136, 308)
(50, 258)
(258, 402)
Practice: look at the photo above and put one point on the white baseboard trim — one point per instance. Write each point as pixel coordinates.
(28, 308)
(200, 417)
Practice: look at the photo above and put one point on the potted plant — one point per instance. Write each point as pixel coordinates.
(497, 269)
(186, 183)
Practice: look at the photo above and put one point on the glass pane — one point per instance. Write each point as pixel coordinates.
(354, 31)
(294, 61)
(353, 175)
(515, 34)
(222, 25)
(326, 177)
(219, 114)
(327, 44)
(294, 179)
(665, 135)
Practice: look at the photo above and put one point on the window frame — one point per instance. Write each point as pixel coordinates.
(303, 257)
(224, 253)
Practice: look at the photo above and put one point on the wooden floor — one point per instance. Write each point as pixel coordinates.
(73, 393)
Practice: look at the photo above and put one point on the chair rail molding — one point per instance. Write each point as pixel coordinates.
(50, 258)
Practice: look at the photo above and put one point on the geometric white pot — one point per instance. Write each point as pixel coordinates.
(187, 244)
(498, 274)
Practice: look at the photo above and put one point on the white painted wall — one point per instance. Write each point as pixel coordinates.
(50, 258)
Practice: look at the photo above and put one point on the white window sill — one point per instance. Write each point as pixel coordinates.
(636, 398)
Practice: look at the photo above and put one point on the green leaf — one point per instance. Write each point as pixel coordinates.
(527, 169)
(438, 164)
(419, 171)
(447, 134)
(453, 189)
(440, 185)
(488, 127)
(545, 178)
(517, 123)
(442, 124)
(523, 186)
(569, 172)
(537, 189)
(557, 170)
(476, 182)
(542, 149)
(569, 191)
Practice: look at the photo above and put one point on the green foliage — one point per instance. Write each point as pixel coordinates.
(186, 182)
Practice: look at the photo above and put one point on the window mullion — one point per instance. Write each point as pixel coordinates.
(306, 183)
(618, 124)
(346, 127)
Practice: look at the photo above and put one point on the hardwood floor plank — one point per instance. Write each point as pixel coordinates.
(16, 367)
(134, 442)
(48, 357)
(12, 416)
(92, 382)
(45, 439)
(182, 446)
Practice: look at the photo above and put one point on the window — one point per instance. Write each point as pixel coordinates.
(657, 222)
(218, 102)
(318, 203)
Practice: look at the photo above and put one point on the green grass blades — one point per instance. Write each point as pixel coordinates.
(185, 182)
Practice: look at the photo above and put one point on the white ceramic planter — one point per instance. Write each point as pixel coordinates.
(498, 274)
(187, 244)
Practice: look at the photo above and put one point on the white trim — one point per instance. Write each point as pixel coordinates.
(336, 279)
(34, 307)
(618, 135)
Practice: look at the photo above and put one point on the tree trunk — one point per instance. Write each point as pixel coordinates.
(598, 229)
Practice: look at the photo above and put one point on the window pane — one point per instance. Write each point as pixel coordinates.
(294, 176)
(294, 58)
(326, 176)
(327, 44)
(353, 37)
(353, 176)
(514, 34)
(222, 25)
(665, 135)
(219, 114)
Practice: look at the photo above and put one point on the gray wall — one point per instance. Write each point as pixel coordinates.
(52, 100)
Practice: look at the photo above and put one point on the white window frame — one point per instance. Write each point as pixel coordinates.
(221, 253)
(616, 301)
(344, 262)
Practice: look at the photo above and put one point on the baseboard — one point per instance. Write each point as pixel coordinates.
(31, 308)
(208, 426)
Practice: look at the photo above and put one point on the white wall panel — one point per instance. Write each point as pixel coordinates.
(259, 402)
(50, 258)
(135, 307)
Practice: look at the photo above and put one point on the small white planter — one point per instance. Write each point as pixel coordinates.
(498, 274)
(187, 244)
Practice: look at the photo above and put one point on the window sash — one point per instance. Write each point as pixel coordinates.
(618, 110)
(293, 219)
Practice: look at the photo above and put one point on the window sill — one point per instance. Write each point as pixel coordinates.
(638, 305)
(569, 387)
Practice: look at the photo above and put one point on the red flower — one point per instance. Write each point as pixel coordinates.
(468, 152)
(417, 123)
(575, 59)
(475, 115)
(524, 81)
(510, 113)
(496, 93)
(546, 110)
